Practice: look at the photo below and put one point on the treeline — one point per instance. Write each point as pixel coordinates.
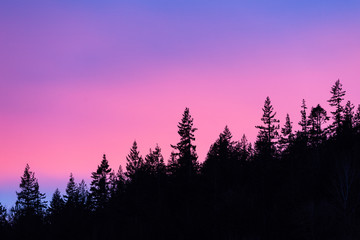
(289, 185)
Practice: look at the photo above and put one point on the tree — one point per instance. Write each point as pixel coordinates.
(287, 134)
(221, 161)
(348, 117)
(3, 217)
(30, 201)
(154, 162)
(185, 150)
(100, 189)
(265, 143)
(304, 122)
(357, 119)
(57, 203)
(72, 196)
(243, 150)
(335, 101)
(117, 182)
(134, 162)
(317, 117)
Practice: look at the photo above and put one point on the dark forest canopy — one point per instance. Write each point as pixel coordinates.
(289, 184)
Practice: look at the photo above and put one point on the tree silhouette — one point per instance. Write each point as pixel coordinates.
(30, 201)
(134, 162)
(335, 101)
(265, 143)
(100, 186)
(287, 136)
(317, 117)
(184, 151)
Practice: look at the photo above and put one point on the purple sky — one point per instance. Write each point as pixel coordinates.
(81, 79)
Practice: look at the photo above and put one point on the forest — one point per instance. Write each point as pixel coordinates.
(287, 185)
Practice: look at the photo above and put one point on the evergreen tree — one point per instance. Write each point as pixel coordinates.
(134, 162)
(154, 162)
(72, 195)
(304, 122)
(30, 201)
(117, 182)
(267, 136)
(317, 117)
(335, 101)
(243, 150)
(287, 134)
(100, 188)
(57, 203)
(3, 217)
(348, 117)
(357, 119)
(184, 151)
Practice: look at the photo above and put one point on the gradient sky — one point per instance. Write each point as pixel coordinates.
(82, 78)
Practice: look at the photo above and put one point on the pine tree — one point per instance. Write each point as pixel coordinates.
(287, 134)
(72, 195)
(117, 182)
(317, 117)
(304, 122)
(154, 162)
(30, 201)
(100, 188)
(357, 119)
(348, 117)
(3, 218)
(267, 136)
(134, 162)
(335, 101)
(57, 203)
(55, 211)
(185, 151)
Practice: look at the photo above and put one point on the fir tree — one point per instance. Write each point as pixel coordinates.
(134, 162)
(317, 117)
(304, 122)
(154, 161)
(287, 134)
(30, 201)
(71, 196)
(57, 203)
(348, 117)
(335, 101)
(185, 150)
(100, 189)
(267, 136)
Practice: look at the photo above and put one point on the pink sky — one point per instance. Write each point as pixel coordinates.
(78, 81)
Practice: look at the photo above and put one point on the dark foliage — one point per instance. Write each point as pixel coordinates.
(297, 185)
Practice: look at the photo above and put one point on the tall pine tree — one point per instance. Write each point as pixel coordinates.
(100, 187)
(185, 151)
(268, 134)
(335, 101)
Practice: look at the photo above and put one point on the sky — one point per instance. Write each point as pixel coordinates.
(79, 79)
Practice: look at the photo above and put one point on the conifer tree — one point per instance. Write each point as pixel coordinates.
(72, 195)
(335, 101)
(287, 134)
(154, 161)
(3, 217)
(268, 134)
(57, 203)
(117, 182)
(317, 117)
(185, 151)
(304, 122)
(100, 189)
(134, 162)
(357, 119)
(348, 117)
(30, 201)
